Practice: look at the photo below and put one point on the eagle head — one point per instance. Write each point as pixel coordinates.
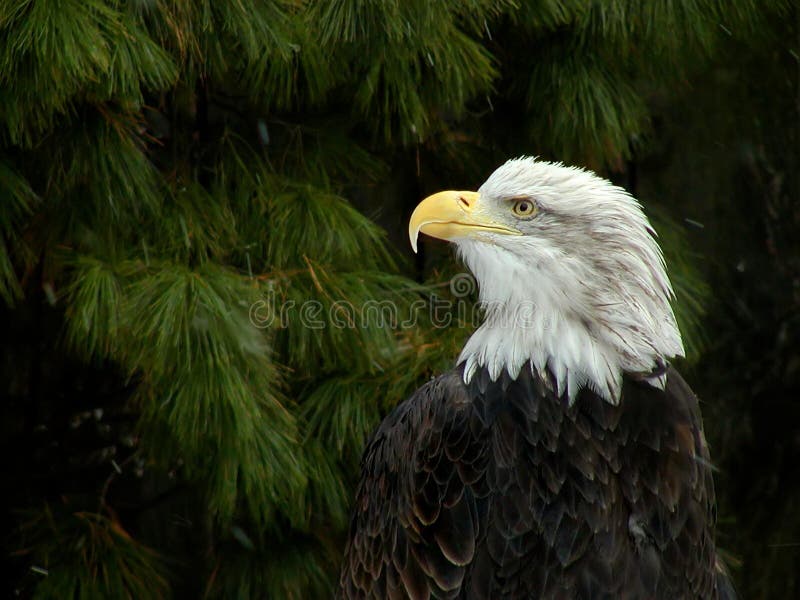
(570, 276)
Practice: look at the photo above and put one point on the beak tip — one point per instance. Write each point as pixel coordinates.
(413, 238)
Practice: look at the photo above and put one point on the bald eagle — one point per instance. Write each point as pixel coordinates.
(563, 457)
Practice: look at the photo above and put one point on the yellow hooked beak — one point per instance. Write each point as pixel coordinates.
(450, 215)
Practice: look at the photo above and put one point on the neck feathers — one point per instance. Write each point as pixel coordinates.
(585, 324)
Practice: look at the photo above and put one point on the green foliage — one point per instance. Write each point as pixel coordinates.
(58, 53)
(17, 202)
(295, 568)
(86, 555)
(411, 62)
(178, 192)
(592, 112)
(691, 289)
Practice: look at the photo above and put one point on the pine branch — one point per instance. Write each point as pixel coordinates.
(17, 203)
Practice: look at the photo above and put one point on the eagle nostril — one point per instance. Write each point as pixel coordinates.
(463, 201)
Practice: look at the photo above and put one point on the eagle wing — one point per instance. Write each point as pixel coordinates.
(415, 523)
(502, 489)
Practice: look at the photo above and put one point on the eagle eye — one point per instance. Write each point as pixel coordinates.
(524, 207)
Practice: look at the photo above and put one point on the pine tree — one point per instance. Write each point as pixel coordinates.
(196, 349)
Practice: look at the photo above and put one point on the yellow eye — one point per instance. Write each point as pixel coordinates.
(524, 207)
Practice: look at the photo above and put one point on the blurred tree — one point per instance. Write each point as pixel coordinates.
(188, 371)
(739, 189)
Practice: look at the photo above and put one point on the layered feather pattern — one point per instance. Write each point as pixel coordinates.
(502, 488)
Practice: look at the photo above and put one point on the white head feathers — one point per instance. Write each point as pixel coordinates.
(582, 293)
